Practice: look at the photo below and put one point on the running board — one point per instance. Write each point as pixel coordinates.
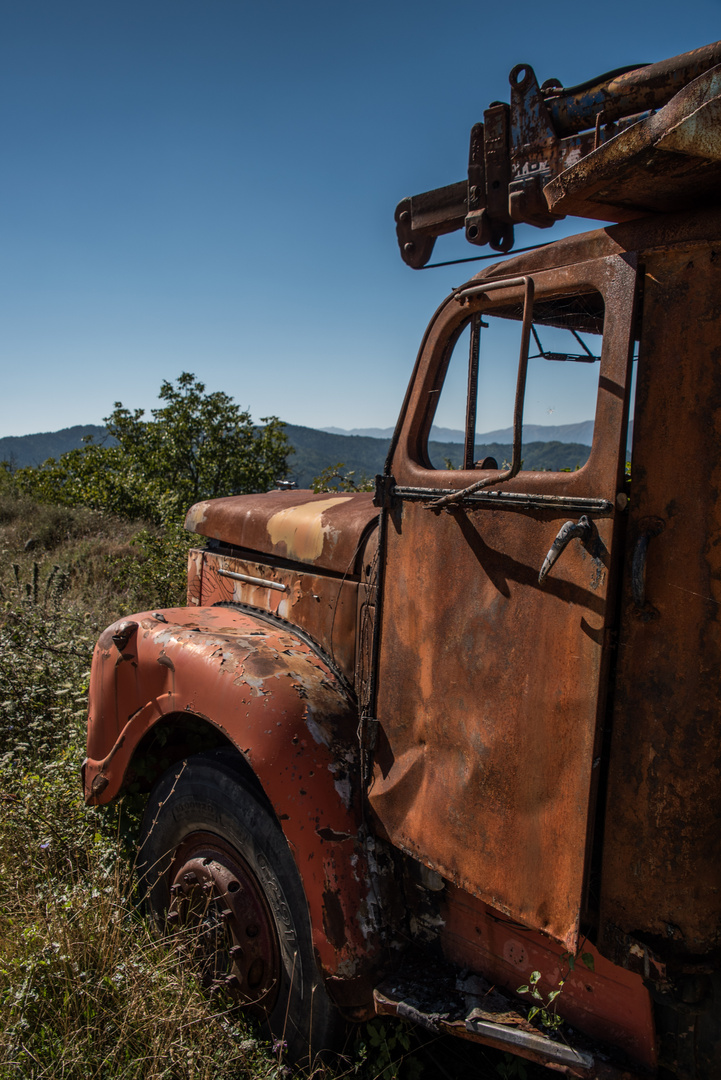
(483, 1014)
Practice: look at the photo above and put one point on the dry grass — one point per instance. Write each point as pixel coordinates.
(86, 990)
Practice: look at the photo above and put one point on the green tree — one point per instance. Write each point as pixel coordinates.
(196, 446)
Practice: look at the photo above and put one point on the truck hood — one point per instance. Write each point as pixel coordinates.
(323, 530)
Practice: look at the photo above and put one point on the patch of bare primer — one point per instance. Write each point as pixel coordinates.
(319, 733)
(196, 516)
(341, 783)
(300, 528)
(257, 687)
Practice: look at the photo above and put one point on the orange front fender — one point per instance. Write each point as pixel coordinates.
(277, 700)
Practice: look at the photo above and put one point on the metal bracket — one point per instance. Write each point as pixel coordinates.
(385, 487)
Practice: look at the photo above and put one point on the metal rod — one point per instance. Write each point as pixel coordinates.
(650, 86)
(482, 258)
(265, 583)
(463, 296)
(508, 500)
(472, 399)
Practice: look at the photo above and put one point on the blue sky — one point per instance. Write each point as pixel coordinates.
(209, 185)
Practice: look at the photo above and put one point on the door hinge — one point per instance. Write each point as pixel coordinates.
(385, 487)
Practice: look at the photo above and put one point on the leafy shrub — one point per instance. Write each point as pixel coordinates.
(196, 446)
(332, 478)
(156, 570)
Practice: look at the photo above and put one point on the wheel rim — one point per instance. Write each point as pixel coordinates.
(219, 911)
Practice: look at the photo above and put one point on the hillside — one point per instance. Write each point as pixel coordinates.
(22, 450)
(315, 450)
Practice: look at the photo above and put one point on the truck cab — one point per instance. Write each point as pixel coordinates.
(450, 751)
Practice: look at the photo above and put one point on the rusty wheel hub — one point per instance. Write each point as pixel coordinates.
(223, 922)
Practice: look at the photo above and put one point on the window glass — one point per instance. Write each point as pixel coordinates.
(561, 388)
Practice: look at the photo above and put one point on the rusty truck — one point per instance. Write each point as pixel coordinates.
(450, 751)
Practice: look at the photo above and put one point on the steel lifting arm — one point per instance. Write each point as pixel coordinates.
(521, 147)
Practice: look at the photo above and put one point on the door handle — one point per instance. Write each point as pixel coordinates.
(650, 527)
(581, 528)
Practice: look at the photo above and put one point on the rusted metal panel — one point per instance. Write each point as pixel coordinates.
(490, 686)
(272, 695)
(325, 607)
(324, 530)
(662, 850)
(607, 1002)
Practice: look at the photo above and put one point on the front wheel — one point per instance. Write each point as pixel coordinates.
(219, 873)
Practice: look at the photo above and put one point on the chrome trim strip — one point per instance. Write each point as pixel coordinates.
(264, 583)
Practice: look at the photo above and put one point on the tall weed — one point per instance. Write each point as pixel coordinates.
(86, 990)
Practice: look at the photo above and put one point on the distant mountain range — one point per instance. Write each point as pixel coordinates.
(22, 450)
(581, 432)
(545, 447)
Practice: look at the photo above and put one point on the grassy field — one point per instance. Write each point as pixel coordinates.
(86, 990)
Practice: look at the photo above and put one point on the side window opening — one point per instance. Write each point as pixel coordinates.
(473, 418)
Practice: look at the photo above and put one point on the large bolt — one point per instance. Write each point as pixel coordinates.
(191, 878)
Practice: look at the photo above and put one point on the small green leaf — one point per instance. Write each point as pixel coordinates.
(523, 989)
(588, 960)
(533, 1012)
(535, 977)
(553, 995)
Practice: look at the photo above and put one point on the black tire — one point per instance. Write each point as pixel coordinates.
(215, 865)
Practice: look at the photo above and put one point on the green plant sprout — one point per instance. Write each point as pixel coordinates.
(546, 1010)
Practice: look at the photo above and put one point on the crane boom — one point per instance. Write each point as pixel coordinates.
(590, 150)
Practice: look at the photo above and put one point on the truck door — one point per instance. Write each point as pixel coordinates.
(490, 686)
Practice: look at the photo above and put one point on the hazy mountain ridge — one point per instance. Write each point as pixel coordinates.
(315, 449)
(580, 432)
(21, 450)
